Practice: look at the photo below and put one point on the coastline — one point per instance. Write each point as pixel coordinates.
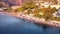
(34, 19)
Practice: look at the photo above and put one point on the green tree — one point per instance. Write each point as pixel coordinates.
(53, 10)
(55, 2)
(47, 12)
(36, 11)
(29, 11)
(21, 9)
(29, 4)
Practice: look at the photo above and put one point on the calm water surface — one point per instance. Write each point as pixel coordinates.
(13, 25)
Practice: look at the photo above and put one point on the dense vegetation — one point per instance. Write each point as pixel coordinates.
(47, 12)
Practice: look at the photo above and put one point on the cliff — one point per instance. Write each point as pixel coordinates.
(3, 4)
(13, 2)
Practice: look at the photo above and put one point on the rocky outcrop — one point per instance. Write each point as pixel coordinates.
(3, 4)
(13, 2)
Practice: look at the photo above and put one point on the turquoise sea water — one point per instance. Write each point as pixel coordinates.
(13, 25)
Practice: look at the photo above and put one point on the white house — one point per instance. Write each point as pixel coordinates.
(15, 7)
(1, 9)
(56, 6)
(57, 13)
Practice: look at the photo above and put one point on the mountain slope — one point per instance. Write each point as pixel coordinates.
(13, 2)
(3, 4)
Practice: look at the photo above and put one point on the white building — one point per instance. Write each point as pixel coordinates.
(57, 13)
(1, 9)
(15, 7)
(47, 3)
(56, 6)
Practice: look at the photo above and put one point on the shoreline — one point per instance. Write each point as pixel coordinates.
(33, 19)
